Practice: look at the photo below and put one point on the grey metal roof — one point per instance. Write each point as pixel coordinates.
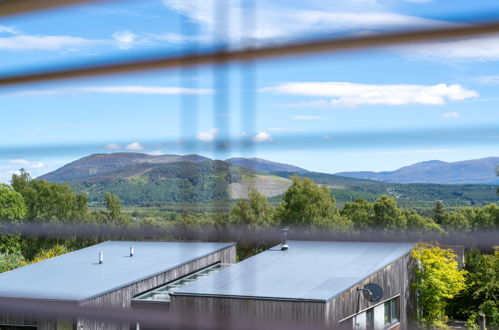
(316, 271)
(78, 276)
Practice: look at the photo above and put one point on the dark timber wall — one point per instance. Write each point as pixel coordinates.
(309, 312)
(395, 279)
(122, 297)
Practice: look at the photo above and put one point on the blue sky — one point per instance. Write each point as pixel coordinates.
(376, 109)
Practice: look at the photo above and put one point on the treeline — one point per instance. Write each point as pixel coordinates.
(305, 204)
(180, 182)
(38, 201)
(419, 196)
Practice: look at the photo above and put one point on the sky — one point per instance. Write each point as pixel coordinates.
(372, 109)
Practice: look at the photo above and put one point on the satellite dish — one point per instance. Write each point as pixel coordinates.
(372, 292)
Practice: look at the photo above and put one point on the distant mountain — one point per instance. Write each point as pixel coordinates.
(476, 171)
(140, 179)
(97, 164)
(263, 165)
(145, 180)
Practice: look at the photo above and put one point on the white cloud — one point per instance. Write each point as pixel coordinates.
(352, 94)
(134, 146)
(279, 21)
(35, 42)
(208, 136)
(26, 163)
(19, 161)
(476, 49)
(262, 137)
(45, 43)
(9, 29)
(176, 38)
(155, 153)
(125, 39)
(450, 115)
(113, 146)
(488, 80)
(308, 117)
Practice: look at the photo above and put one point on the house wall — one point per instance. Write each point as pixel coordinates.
(262, 309)
(395, 279)
(26, 320)
(122, 297)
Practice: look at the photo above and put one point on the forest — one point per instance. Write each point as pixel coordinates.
(305, 204)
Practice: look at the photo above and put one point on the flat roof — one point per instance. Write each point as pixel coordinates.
(308, 271)
(78, 276)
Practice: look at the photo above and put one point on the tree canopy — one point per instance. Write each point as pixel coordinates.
(12, 206)
(438, 280)
(49, 201)
(306, 204)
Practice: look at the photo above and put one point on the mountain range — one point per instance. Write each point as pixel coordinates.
(145, 180)
(476, 171)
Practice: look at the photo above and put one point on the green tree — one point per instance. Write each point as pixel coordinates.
(438, 212)
(9, 261)
(12, 210)
(485, 218)
(360, 212)
(387, 215)
(47, 201)
(482, 290)
(12, 206)
(455, 221)
(251, 216)
(113, 206)
(256, 212)
(306, 204)
(55, 251)
(438, 280)
(418, 223)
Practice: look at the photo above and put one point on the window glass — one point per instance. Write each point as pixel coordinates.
(394, 310)
(391, 312)
(387, 313)
(370, 319)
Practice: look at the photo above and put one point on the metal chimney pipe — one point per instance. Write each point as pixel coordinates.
(131, 251)
(284, 244)
(101, 257)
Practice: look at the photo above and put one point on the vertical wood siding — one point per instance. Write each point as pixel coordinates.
(395, 279)
(306, 312)
(122, 297)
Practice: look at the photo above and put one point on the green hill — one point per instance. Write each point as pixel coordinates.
(143, 180)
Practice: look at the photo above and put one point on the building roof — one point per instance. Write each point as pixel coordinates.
(310, 271)
(78, 276)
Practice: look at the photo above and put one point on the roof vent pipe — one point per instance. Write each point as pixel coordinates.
(284, 244)
(101, 258)
(131, 251)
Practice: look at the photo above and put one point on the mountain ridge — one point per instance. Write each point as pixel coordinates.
(145, 180)
(100, 163)
(474, 171)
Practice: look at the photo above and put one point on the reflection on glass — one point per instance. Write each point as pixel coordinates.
(162, 293)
